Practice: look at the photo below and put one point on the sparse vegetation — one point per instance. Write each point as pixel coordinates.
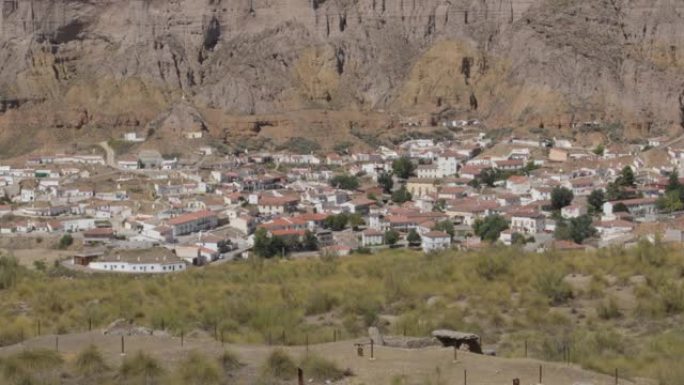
(321, 369)
(299, 145)
(503, 294)
(280, 365)
(65, 241)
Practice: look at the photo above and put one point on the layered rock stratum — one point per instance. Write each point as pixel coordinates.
(116, 64)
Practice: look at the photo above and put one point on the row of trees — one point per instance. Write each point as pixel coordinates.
(489, 176)
(267, 246)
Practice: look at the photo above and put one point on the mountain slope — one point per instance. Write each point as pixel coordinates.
(107, 63)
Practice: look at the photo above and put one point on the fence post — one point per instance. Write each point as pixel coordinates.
(525, 347)
(541, 374)
(223, 343)
(465, 377)
(617, 377)
(372, 343)
(182, 338)
(455, 354)
(307, 344)
(57, 343)
(90, 324)
(123, 346)
(300, 376)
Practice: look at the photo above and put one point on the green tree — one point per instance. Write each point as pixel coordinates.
(262, 243)
(626, 177)
(391, 237)
(599, 150)
(673, 184)
(561, 197)
(413, 238)
(489, 176)
(65, 241)
(670, 202)
(402, 195)
(345, 182)
(403, 167)
(310, 241)
(336, 222)
(595, 201)
(575, 229)
(446, 226)
(386, 181)
(490, 228)
(620, 208)
(518, 239)
(615, 191)
(356, 221)
(440, 205)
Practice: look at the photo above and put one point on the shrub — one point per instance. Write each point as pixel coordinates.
(66, 241)
(608, 309)
(551, 284)
(196, 369)
(90, 362)
(320, 302)
(345, 182)
(492, 265)
(299, 145)
(321, 369)
(229, 361)
(35, 366)
(280, 365)
(141, 369)
(9, 272)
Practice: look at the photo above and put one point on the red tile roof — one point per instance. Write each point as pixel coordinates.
(190, 217)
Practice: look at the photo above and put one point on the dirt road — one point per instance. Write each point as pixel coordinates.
(418, 365)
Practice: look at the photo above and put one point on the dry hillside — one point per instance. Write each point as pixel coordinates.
(81, 69)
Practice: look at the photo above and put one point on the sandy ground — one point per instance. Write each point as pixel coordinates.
(26, 257)
(435, 364)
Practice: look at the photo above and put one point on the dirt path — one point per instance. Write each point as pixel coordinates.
(109, 154)
(418, 365)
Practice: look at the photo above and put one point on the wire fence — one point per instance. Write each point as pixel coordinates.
(452, 365)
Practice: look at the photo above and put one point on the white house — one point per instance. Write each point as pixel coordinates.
(435, 240)
(156, 260)
(193, 222)
(425, 171)
(638, 207)
(372, 237)
(527, 222)
(133, 137)
(573, 211)
(277, 205)
(518, 184)
(447, 164)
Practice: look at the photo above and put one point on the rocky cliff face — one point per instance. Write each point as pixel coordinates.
(113, 63)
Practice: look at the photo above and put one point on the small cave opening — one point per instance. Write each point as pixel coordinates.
(212, 34)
